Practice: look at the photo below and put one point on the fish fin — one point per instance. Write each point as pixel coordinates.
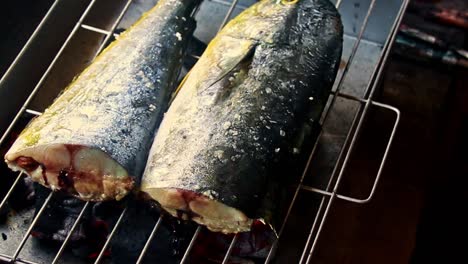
(247, 57)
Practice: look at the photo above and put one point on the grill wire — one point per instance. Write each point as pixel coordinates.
(328, 196)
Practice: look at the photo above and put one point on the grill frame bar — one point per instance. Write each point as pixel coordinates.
(365, 102)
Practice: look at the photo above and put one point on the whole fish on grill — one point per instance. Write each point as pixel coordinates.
(240, 112)
(93, 141)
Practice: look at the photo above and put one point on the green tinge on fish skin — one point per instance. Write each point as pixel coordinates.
(234, 126)
(93, 141)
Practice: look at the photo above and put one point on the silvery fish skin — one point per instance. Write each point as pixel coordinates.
(240, 110)
(93, 141)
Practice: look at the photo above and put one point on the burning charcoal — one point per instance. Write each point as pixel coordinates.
(168, 244)
(96, 235)
(58, 219)
(250, 247)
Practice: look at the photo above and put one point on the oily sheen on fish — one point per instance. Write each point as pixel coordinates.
(93, 141)
(240, 111)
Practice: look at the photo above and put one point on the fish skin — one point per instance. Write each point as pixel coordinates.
(116, 103)
(266, 74)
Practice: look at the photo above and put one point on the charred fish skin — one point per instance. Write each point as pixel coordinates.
(236, 116)
(93, 141)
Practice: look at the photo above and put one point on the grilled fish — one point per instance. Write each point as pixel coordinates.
(93, 141)
(240, 110)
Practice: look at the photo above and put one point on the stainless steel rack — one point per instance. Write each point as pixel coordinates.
(328, 195)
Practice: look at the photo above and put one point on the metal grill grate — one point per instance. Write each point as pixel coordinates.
(328, 195)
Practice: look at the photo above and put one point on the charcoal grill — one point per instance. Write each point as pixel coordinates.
(370, 29)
